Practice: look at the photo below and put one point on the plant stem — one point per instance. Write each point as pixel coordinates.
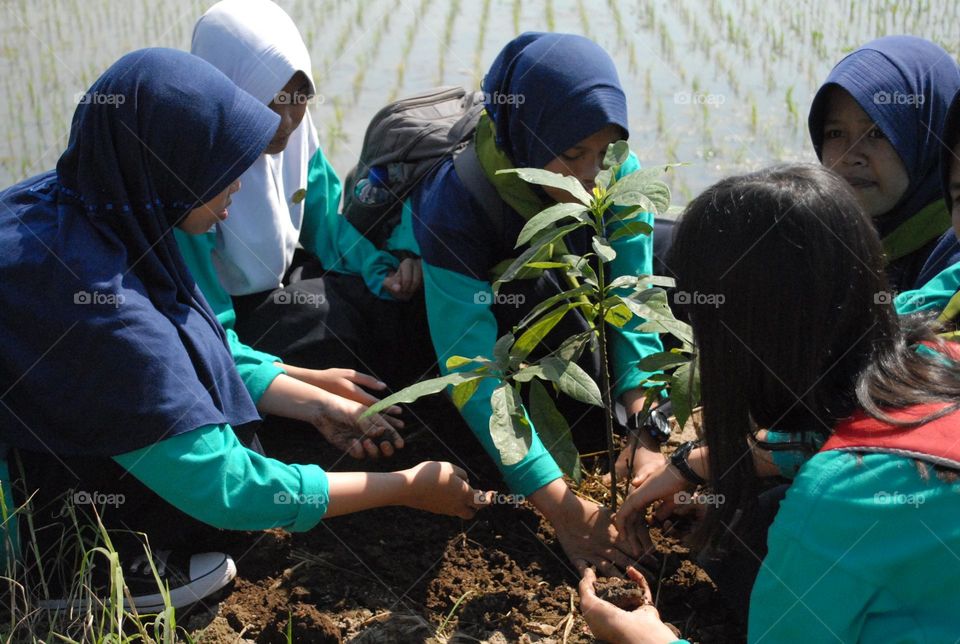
(601, 327)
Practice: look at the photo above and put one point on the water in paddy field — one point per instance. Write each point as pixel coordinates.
(722, 85)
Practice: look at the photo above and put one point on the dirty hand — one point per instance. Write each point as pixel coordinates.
(607, 622)
(442, 488)
(664, 485)
(646, 461)
(403, 283)
(339, 420)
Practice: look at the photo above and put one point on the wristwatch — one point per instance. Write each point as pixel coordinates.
(679, 460)
(654, 423)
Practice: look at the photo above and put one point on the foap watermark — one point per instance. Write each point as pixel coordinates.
(498, 498)
(898, 98)
(899, 498)
(715, 300)
(297, 98)
(315, 300)
(499, 98)
(98, 499)
(686, 498)
(699, 98)
(503, 299)
(286, 498)
(883, 297)
(99, 299)
(96, 98)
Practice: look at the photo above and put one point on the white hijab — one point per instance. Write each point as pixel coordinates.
(257, 45)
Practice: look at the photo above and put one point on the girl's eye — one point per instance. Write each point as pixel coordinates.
(571, 157)
(832, 134)
(876, 133)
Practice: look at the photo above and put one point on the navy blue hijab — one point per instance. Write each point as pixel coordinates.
(108, 345)
(874, 75)
(547, 92)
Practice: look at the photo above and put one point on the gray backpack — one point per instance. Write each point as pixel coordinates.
(403, 143)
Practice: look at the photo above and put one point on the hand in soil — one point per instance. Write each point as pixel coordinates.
(441, 488)
(607, 621)
(587, 535)
(340, 422)
(665, 484)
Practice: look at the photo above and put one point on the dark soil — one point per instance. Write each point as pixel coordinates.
(401, 575)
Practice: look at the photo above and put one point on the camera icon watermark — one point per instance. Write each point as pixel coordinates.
(898, 98)
(686, 498)
(684, 298)
(899, 498)
(297, 98)
(316, 300)
(98, 499)
(99, 299)
(498, 498)
(286, 498)
(883, 297)
(515, 300)
(96, 98)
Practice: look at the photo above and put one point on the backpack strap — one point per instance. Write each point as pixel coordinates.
(495, 210)
(935, 442)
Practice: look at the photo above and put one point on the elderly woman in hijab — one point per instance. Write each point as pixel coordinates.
(290, 275)
(876, 122)
(120, 395)
(553, 101)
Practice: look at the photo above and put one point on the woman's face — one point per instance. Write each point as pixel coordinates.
(583, 161)
(291, 104)
(855, 148)
(954, 187)
(203, 217)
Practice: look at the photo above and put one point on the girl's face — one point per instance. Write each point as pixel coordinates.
(954, 188)
(855, 148)
(203, 217)
(583, 161)
(291, 104)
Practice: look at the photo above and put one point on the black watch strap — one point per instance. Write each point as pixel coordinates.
(679, 460)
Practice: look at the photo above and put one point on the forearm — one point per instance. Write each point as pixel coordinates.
(357, 491)
(289, 397)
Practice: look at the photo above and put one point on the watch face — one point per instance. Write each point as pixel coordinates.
(658, 425)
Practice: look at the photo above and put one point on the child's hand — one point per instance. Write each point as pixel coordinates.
(665, 483)
(404, 283)
(340, 422)
(607, 622)
(441, 488)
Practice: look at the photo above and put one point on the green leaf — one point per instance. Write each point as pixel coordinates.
(624, 281)
(651, 305)
(572, 380)
(631, 229)
(685, 391)
(529, 373)
(548, 217)
(580, 267)
(538, 331)
(421, 389)
(603, 249)
(625, 213)
(605, 177)
(643, 188)
(464, 392)
(458, 361)
(554, 431)
(547, 265)
(509, 429)
(554, 180)
(536, 247)
(617, 154)
(618, 315)
(567, 296)
(662, 360)
(571, 348)
(501, 351)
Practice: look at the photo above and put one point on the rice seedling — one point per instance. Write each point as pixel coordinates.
(481, 33)
(515, 14)
(549, 16)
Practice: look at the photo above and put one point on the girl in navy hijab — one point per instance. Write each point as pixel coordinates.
(113, 363)
(553, 101)
(875, 121)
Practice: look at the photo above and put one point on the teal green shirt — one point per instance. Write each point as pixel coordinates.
(932, 296)
(208, 474)
(860, 552)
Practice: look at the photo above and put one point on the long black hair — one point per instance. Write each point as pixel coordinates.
(784, 281)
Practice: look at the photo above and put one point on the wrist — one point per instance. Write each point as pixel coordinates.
(554, 500)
